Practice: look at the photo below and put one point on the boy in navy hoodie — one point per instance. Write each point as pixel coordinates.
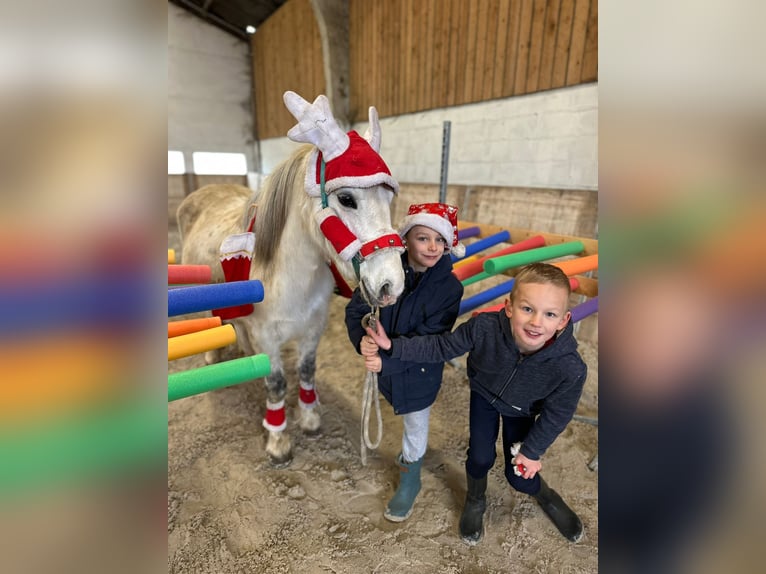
(523, 367)
(429, 304)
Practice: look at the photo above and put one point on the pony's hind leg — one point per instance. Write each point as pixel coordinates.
(309, 415)
(278, 445)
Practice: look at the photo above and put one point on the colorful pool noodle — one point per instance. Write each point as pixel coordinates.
(171, 256)
(467, 232)
(579, 312)
(186, 274)
(477, 266)
(483, 244)
(579, 265)
(211, 377)
(186, 326)
(584, 309)
(497, 265)
(206, 297)
(470, 303)
(201, 341)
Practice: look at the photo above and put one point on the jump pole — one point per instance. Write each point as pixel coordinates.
(584, 309)
(579, 312)
(218, 376)
(186, 274)
(206, 297)
(578, 266)
(467, 232)
(497, 265)
(482, 244)
(186, 326)
(470, 303)
(465, 269)
(171, 256)
(201, 341)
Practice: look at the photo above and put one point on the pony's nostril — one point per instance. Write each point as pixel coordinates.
(385, 290)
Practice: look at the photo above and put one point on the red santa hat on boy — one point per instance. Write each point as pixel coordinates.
(440, 217)
(350, 159)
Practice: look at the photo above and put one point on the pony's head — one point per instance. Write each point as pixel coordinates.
(354, 188)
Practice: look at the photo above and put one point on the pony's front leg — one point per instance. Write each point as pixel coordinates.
(278, 445)
(309, 419)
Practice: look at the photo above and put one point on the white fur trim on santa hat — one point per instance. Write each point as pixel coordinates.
(436, 222)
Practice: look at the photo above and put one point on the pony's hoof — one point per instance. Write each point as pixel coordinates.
(279, 449)
(281, 461)
(309, 422)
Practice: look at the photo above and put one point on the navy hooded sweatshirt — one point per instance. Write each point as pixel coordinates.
(428, 305)
(547, 383)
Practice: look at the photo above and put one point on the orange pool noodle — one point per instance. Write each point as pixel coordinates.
(578, 266)
(201, 341)
(186, 326)
(171, 256)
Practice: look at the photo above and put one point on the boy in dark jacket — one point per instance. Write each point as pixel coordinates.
(523, 367)
(429, 304)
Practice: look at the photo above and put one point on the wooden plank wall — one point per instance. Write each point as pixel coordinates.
(413, 55)
(287, 55)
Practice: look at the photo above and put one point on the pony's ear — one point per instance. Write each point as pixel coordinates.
(372, 135)
(316, 125)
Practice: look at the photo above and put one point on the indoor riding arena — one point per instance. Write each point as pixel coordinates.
(489, 106)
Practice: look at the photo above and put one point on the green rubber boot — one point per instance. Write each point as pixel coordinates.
(471, 520)
(400, 506)
(568, 523)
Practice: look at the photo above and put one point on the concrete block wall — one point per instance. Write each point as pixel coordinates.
(545, 140)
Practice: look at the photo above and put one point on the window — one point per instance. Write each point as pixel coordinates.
(209, 163)
(176, 163)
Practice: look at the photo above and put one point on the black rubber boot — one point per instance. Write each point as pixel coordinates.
(568, 523)
(471, 527)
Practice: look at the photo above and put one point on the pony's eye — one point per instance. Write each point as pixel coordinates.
(347, 200)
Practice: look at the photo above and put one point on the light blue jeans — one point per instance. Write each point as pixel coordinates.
(415, 434)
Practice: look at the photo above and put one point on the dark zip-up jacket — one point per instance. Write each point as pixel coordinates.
(425, 307)
(547, 383)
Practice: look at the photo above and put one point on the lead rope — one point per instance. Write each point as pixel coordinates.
(370, 396)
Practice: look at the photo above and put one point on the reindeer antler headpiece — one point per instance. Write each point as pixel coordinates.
(350, 160)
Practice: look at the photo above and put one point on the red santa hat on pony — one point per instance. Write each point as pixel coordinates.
(440, 217)
(348, 160)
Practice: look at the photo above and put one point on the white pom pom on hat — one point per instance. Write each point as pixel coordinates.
(440, 217)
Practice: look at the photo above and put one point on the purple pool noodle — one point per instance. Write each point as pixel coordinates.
(584, 309)
(206, 297)
(468, 232)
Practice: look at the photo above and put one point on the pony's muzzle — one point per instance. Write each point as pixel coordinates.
(382, 298)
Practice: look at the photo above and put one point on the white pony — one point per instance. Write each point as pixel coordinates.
(329, 202)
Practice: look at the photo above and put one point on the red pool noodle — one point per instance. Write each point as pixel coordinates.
(188, 274)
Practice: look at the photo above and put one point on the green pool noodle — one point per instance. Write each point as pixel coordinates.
(211, 377)
(499, 264)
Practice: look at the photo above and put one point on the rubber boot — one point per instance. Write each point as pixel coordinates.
(400, 506)
(471, 520)
(568, 523)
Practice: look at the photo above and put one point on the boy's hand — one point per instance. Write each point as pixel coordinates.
(368, 347)
(529, 467)
(373, 364)
(379, 337)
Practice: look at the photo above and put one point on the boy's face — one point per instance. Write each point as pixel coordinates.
(425, 247)
(536, 313)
